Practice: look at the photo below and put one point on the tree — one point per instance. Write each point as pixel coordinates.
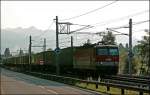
(21, 52)
(49, 49)
(144, 45)
(109, 39)
(144, 48)
(7, 52)
(127, 46)
(122, 58)
(121, 46)
(133, 65)
(88, 43)
(124, 61)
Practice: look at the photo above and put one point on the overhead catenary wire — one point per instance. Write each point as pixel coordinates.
(127, 26)
(104, 23)
(111, 21)
(140, 30)
(118, 27)
(83, 28)
(121, 18)
(90, 11)
(118, 19)
(141, 22)
(85, 38)
(80, 25)
(124, 26)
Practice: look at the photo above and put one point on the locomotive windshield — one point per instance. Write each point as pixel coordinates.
(107, 51)
(102, 51)
(113, 51)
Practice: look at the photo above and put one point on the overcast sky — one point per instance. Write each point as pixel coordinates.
(41, 14)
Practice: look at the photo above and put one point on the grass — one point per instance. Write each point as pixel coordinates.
(113, 91)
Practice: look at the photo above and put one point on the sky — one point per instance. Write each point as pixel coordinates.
(40, 14)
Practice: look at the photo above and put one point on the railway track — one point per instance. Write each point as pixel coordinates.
(134, 76)
(116, 83)
(129, 79)
(124, 83)
(139, 82)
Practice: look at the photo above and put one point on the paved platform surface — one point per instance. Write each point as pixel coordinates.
(14, 83)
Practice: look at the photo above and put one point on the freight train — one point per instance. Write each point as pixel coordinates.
(85, 61)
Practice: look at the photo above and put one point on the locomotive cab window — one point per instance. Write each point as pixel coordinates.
(113, 51)
(102, 51)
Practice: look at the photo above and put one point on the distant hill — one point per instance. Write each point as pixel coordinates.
(16, 38)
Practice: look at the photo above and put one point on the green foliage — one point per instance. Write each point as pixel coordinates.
(141, 55)
(144, 51)
(7, 52)
(109, 39)
(21, 52)
(124, 63)
(144, 45)
(49, 49)
(88, 43)
(133, 66)
(123, 58)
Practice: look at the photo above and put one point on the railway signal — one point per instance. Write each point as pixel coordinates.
(57, 50)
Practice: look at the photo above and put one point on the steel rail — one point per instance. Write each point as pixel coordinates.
(129, 79)
(72, 81)
(140, 89)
